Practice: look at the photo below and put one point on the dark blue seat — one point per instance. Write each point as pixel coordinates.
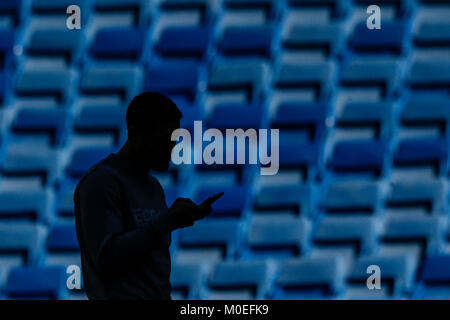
(184, 41)
(417, 111)
(358, 156)
(186, 278)
(6, 46)
(36, 283)
(235, 115)
(296, 198)
(62, 238)
(85, 157)
(204, 8)
(421, 151)
(432, 34)
(12, 8)
(252, 277)
(34, 120)
(253, 40)
(336, 8)
(271, 8)
(64, 203)
(49, 6)
(179, 77)
(327, 37)
(309, 278)
(301, 115)
(231, 204)
(118, 43)
(429, 74)
(390, 38)
(436, 270)
(298, 154)
(53, 42)
(29, 204)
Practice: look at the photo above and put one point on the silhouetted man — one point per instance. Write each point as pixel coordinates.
(122, 221)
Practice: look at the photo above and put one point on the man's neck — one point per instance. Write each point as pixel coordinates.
(131, 162)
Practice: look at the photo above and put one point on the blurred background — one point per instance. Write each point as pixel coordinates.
(364, 140)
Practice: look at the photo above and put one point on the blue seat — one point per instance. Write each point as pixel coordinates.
(204, 8)
(344, 197)
(49, 6)
(432, 34)
(101, 119)
(336, 8)
(187, 278)
(296, 198)
(378, 115)
(224, 116)
(416, 110)
(53, 42)
(25, 239)
(295, 154)
(309, 278)
(424, 230)
(436, 270)
(184, 41)
(223, 234)
(191, 112)
(358, 156)
(30, 160)
(364, 72)
(12, 8)
(272, 236)
(314, 75)
(52, 82)
(402, 7)
(418, 193)
(62, 238)
(123, 81)
(64, 202)
(179, 77)
(231, 204)
(357, 231)
(28, 204)
(36, 283)
(390, 38)
(420, 151)
(118, 43)
(301, 115)
(140, 10)
(244, 41)
(429, 74)
(397, 272)
(6, 46)
(228, 76)
(49, 121)
(271, 8)
(327, 38)
(85, 157)
(251, 278)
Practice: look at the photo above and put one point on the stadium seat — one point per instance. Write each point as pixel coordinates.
(25, 204)
(301, 115)
(240, 279)
(358, 156)
(312, 75)
(184, 41)
(344, 196)
(309, 278)
(85, 157)
(122, 81)
(53, 42)
(421, 151)
(178, 77)
(49, 6)
(335, 8)
(428, 195)
(432, 34)
(273, 237)
(245, 41)
(139, 8)
(224, 116)
(389, 38)
(221, 235)
(416, 111)
(204, 8)
(6, 48)
(64, 205)
(62, 238)
(52, 122)
(295, 154)
(327, 38)
(359, 232)
(12, 9)
(269, 7)
(432, 73)
(434, 279)
(296, 198)
(118, 43)
(36, 283)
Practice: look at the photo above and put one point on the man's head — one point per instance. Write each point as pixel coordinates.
(151, 118)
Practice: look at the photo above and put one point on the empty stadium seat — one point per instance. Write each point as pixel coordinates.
(434, 279)
(186, 280)
(240, 280)
(336, 9)
(173, 77)
(416, 111)
(358, 156)
(309, 278)
(85, 157)
(431, 73)
(52, 122)
(6, 48)
(62, 238)
(273, 237)
(139, 8)
(231, 204)
(12, 8)
(432, 34)
(224, 116)
(184, 41)
(251, 40)
(118, 43)
(25, 204)
(36, 283)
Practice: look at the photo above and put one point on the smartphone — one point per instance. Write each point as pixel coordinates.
(212, 199)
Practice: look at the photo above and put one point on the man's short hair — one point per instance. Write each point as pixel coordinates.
(148, 109)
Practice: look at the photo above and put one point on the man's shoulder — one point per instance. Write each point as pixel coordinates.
(99, 174)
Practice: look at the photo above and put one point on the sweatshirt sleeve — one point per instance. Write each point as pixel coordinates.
(110, 245)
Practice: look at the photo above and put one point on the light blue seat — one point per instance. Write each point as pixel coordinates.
(25, 204)
(85, 157)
